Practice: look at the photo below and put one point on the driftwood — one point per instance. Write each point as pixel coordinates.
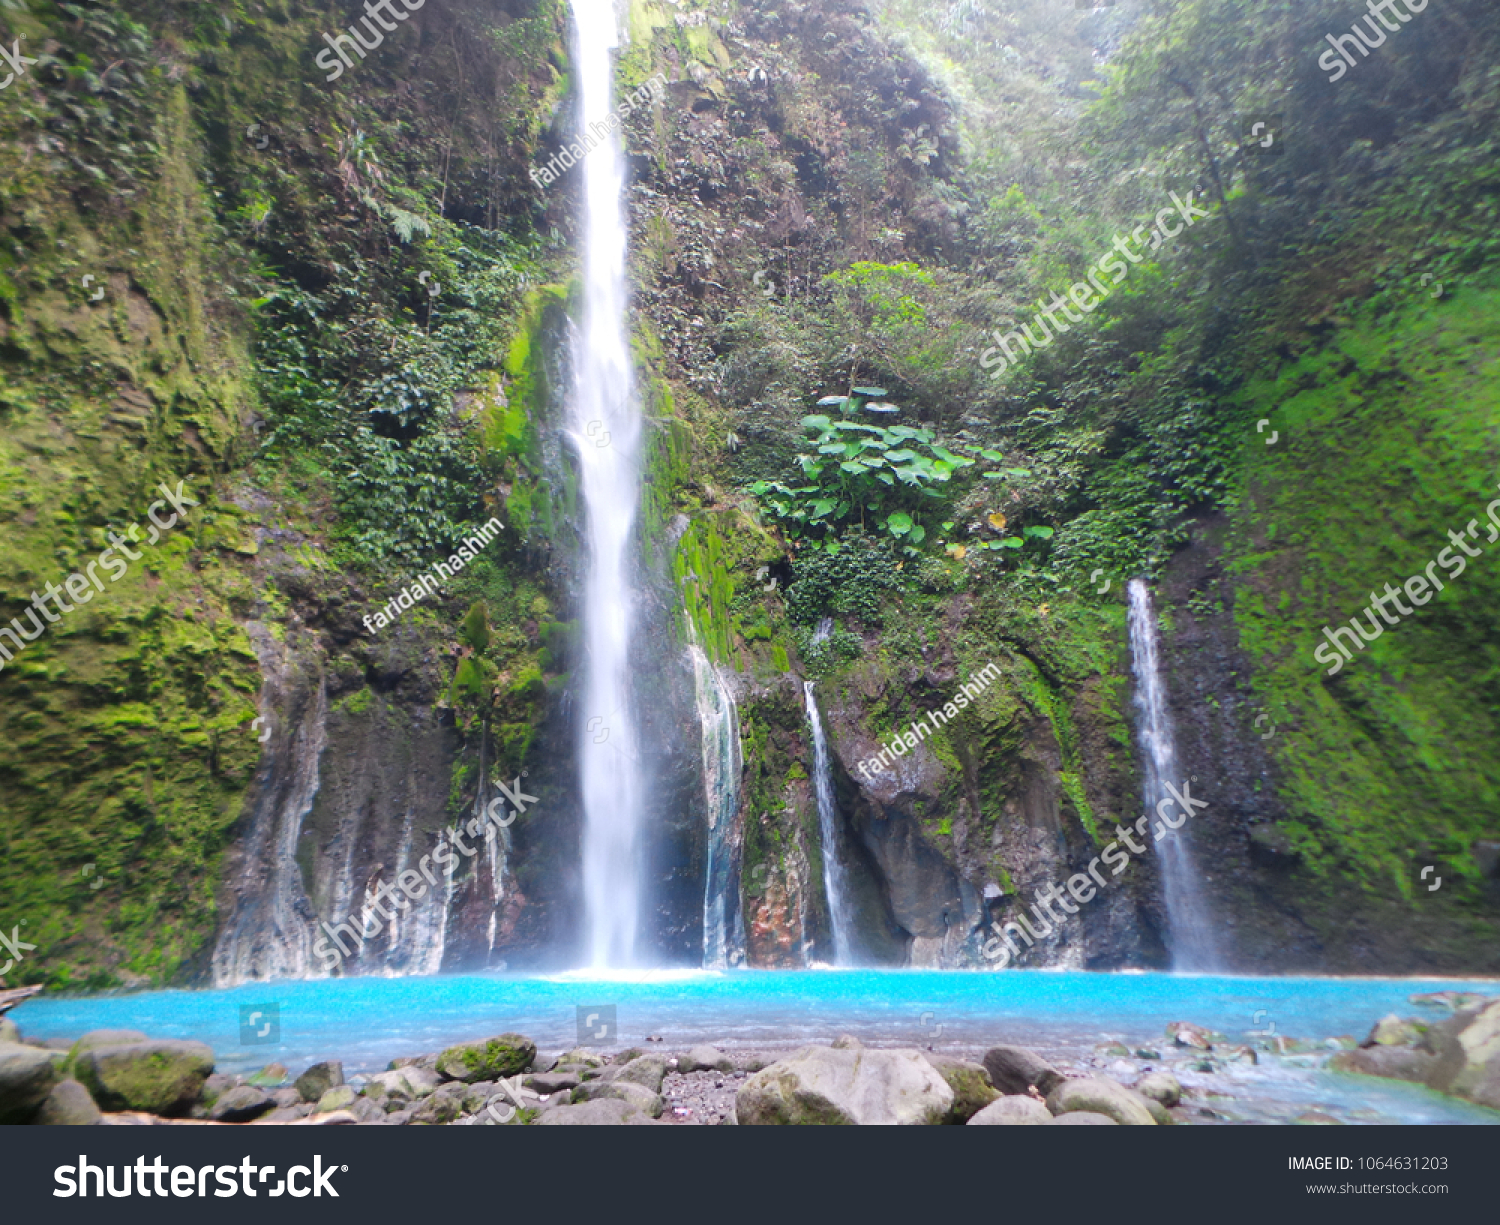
(9, 999)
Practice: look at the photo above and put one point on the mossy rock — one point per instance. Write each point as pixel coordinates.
(158, 1077)
(491, 1059)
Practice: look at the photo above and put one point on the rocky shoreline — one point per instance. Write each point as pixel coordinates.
(122, 1077)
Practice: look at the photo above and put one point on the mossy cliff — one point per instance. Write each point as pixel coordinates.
(338, 313)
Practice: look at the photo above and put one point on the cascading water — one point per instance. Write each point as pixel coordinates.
(606, 431)
(1192, 940)
(835, 883)
(723, 921)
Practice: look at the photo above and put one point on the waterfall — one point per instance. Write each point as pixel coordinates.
(723, 920)
(1192, 940)
(834, 882)
(606, 431)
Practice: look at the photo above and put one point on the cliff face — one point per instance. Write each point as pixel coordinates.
(340, 312)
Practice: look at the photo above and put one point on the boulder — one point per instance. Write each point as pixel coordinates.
(1185, 1033)
(1083, 1118)
(10, 1033)
(970, 1083)
(442, 1106)
(367, 1111)
(1160, 1087)
(606, 1112)
(318, 1079)
(706, 1059)
(1391, 1030)
(491, 1059)
(26, 1078)
(1467, 1047)
(637, 1096)
(1453, 1001)
(1094, 1095)
(648, 1071)
(340, 1097)
(1160, 1113)
(581, 1056)
(822, 1085)
(1014, 1069)
(68, 1105)
(546, 1083)
(96, 1038)
(405, 1084)
(269, 1077)
(159, 1077)
(1393, 1062)
(1012, 1111)
(241, 1104)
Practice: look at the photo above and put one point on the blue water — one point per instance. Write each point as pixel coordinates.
(367, 1021)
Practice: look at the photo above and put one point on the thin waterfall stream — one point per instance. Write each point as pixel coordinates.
(606, 430)
(835, 882)
(723, 920)
(1191, 929)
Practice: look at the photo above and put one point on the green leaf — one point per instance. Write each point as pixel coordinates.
(993, 456)
(829, 401)
(868, 391)
(1041, 533)
(948, 527)
(815, 421)
(1011, 542)
(1018, 471)
(900, 456)
(918, 533)
(900, 523)
(823, 507)
(993, 476)
(850, 465)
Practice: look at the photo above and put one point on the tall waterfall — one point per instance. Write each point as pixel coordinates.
(1192, 940)
(835, 882)
(606, 430)
(723, 920)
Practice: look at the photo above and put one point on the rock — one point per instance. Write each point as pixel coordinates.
(408, 1083)
(581, 1056)
(339, 1118)
(159, 1077)
(1160, 1087)
(10, 1032)
(287, 1114)
(318, 1079)
(1391, 1030)
(648, 1071)
(1112, 1049)
(847, 1042)
(214, 1088)
(970, 1083)
(1145, 1052)
(1453, 1001)
(1009, 1111)
(605, 1112)
(443, 1106)
(286, 1096)
(1185, 1033)
(96, 1038)
(340, 1097)
(1083, 1118)
(1317, 1118)
(1236, 1054)
(552, 1082)
(367, 1111)
(269, 1077)
(706, 1059)
(1467, 1047)
(823, 1085)
(68, 1105)
(1098, 1096)
(1393, 1062)
(241, 1104)
(1160, 1113)
(751, 1063)
(637, 1096)
(1014, 1069)
(491, 1059)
